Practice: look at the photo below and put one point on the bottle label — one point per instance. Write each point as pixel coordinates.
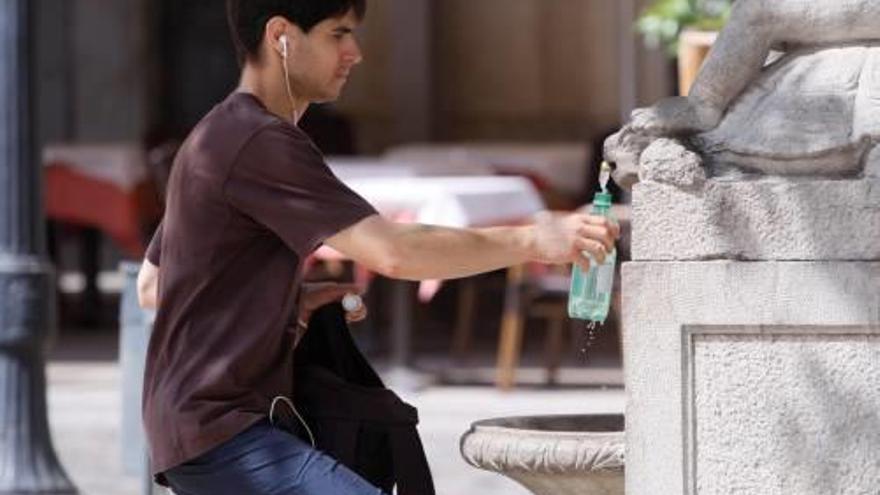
(604, 278)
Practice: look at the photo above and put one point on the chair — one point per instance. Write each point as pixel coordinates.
(533, 291)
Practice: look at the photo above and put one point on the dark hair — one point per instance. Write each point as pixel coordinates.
(248, 18)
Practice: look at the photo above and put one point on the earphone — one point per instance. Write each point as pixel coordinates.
(283, 40)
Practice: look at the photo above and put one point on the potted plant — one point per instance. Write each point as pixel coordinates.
(684, 28)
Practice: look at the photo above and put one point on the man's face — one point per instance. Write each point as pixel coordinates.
(321, 61)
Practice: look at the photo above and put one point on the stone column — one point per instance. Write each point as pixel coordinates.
(28, 463)
(411, 63)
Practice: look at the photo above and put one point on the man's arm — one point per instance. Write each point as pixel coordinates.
(148, 285)
(419, 252)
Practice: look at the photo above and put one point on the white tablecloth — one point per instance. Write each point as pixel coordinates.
(452, 201)
(375, 167)
(562, 165)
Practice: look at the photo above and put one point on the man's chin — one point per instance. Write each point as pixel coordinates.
(329, 97)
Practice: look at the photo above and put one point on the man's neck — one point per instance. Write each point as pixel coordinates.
(266, 82)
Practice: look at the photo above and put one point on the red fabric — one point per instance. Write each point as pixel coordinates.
(540, 183)
(77, 198)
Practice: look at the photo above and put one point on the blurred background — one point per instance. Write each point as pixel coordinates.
(464, 112)
(120, 83)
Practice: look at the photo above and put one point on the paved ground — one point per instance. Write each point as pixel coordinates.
(85, 416)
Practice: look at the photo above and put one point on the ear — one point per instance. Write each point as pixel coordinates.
(277, 35)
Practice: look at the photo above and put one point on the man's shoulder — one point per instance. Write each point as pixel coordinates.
(240, 116)
(261, 128)
(284, 140)
(239, 133)
(279, 142)
(228, 128)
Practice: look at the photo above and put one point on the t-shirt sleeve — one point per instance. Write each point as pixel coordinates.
(154, 250)
(280, 180)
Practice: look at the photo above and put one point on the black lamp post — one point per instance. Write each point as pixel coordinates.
(28, 464)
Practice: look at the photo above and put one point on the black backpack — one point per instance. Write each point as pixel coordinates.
(351, 414)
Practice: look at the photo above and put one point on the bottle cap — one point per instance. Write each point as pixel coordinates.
(352, 302)
(604, 175)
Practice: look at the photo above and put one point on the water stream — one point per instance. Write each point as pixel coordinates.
(590, 331)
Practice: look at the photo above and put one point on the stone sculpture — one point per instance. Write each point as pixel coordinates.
(751, 325)
(810, 108)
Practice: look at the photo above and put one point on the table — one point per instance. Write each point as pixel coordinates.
(359, 167)
(452, 201)
(445, 201)
(560, 166)
(107, 188)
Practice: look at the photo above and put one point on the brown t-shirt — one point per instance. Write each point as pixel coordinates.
(249, 198)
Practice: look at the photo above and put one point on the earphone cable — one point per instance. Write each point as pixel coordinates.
(287, 86)
(295, 412)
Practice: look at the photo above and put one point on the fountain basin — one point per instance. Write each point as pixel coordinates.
(552, 455)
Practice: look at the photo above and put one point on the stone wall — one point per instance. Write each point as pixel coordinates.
(94, 70)
(527, 70)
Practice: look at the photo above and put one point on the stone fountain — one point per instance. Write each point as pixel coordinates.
(752, 305)
(551, 455)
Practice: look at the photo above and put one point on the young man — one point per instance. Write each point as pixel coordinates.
(248, 199)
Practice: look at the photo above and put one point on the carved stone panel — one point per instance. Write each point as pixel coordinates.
(783, 410)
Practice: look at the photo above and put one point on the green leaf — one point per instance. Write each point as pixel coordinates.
(662, 22)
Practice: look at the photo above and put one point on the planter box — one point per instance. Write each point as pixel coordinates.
(693, 47)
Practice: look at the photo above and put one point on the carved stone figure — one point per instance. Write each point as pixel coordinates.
(814, 109)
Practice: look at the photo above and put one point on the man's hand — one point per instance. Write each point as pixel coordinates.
(563, 238)
(315, 295)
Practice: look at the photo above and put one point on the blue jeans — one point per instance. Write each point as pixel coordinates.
(266, 460)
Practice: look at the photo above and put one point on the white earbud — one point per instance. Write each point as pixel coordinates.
(283, 40)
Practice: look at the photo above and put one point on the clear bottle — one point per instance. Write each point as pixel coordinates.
(590, 294)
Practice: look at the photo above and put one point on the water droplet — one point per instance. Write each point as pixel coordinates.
(590, 328)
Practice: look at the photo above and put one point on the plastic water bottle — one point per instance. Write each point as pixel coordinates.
(590, 295)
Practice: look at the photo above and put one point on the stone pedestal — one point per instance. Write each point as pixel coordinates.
(755, 220)
(752, 338)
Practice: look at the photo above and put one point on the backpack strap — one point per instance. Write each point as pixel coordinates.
(410, 464)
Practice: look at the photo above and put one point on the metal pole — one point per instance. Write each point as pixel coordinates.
(401, 324)
(28, 463)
